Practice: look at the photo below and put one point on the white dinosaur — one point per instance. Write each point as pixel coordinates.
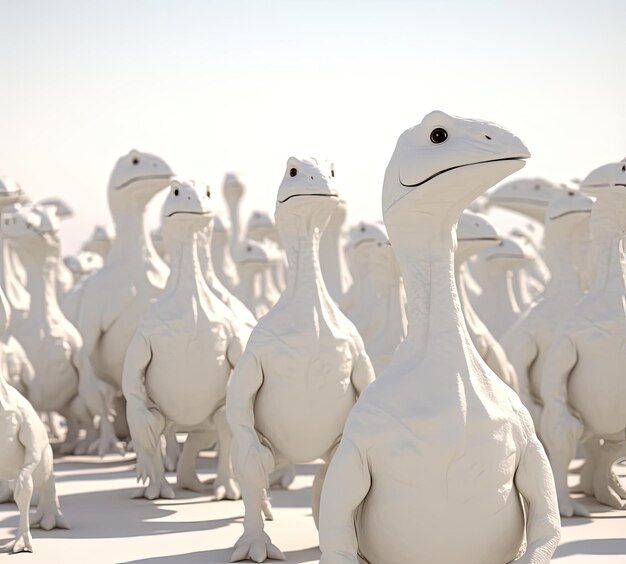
(26, 459)
(83, 264)
(379, 309)
(493, 269)
(254, 260)
(261, 228)
(225, 267)
(438, 452)
(475, 233)
(118, 295)
(303, 368)
(179, 361)
(582, 385)
(52, 343)
(101, 240)
(527, 342)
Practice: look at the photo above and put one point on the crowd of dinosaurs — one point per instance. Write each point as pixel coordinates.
(445, 364)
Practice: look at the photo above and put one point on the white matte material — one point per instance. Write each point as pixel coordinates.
(179, 361)
(582, 385)
(303, 368)
(438, 450)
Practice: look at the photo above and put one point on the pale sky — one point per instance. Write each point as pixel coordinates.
(242, 85)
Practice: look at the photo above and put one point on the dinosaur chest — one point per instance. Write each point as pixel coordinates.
(12, 450)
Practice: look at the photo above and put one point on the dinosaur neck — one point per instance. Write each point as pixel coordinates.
(133, 244)
(186, 279)
(234, 214)
(426, 261)
(472, 320)
(251, 286)
(225, 268)
(15, 292)
(563, 241)
(41, 263)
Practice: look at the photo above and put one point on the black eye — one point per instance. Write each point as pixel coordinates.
(293, 172)
(208, 193)
(135, 161)
(537, 187)
(362, 229)
(249, 249)
(332, 173)
(438, 135)
(176, 192)
(624, 168)
(571, 193)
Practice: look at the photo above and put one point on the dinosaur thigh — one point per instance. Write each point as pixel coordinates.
(597, 386)
(12, 451)
(426, 490)
(301, 410)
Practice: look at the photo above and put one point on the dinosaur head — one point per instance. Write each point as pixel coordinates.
(444, 163)
(530, 196)
(83, 263)
(233, 189)
(260, 226)
(10, 192)
(306, 195)
(135, 179)
(474, 233)
(253, 252)
(187, 209)
(607, 182)
(568, 203)
(510, 254)
(33, 228)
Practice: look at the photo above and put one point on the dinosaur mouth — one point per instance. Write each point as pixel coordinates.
(369, 240)
(146, 177)
(298, 195)
(552, 217)
(474, 239)
(500, 200)
(506, 256)
(206, 213)
(455, 167)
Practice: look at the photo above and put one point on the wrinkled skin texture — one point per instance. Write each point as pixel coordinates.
(438, 443)
(303, 368)
(179, 361)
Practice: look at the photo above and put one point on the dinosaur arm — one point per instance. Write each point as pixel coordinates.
(347, 482)
(27, 372)
(535, 483)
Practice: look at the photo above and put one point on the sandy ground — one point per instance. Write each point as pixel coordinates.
(109, 527)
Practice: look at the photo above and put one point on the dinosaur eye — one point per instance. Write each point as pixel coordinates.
(249, 248)
(176, 192)
(332, 173)
(135, 161)
(208, 193)
(362, 229)
(571, 193)
(537, 187)
(293, 172)
(624, 168)
(438, 135)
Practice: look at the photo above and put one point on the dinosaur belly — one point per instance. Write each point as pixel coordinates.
(597, 385)
(188, 374)
(426, 493)
(302, 406)
(12, 450)
(56, 380)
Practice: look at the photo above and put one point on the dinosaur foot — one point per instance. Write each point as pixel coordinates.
(49, 516)
(610, 492)
(226, 488)
(21, 543)
(257, 547)
(571, 508)
(283, 477)
(190, 481)
(158, 490)
(106, 445)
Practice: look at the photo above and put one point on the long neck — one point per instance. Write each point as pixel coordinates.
(331, 260)
(133, 243)
(608, 230)
(41, 267)
(434, 312)
(469, 313)
(234, 213)
(562, 243)
(186, 277)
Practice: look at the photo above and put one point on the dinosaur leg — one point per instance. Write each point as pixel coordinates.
(107, 441)
(606, 485)
(172, 450)
(318, 484)
(48, 515)
(23, 539)
(150, 464)
(72, 435)
(283, 477)
(225, 486)
(186, 475)
(252, 469)
(591, 450)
